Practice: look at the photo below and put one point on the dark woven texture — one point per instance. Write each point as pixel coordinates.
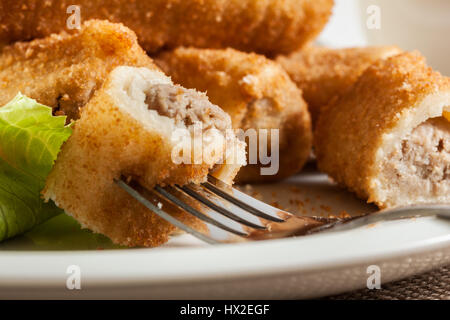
(434, 285)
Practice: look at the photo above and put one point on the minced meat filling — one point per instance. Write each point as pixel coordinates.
(186, 106)
(428, 150)
(420, 165)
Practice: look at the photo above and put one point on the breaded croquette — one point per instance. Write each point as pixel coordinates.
(324, 73)
(265, 26)
(127, 130)
(64, 70)
(387, 139)
(256, 92)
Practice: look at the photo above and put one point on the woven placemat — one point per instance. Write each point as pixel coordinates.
(434, 285)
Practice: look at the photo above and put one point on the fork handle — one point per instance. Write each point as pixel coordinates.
(416, 211)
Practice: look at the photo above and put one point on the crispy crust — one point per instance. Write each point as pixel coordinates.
(324, 73)
(108, 143)
(351, 131)
(63, 71)
(257, 94)
(266, 26)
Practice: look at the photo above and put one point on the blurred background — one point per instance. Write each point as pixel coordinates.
(411, 24)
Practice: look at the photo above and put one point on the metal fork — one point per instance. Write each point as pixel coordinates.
(228, 209)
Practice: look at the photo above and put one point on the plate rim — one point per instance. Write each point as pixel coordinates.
(195, 274)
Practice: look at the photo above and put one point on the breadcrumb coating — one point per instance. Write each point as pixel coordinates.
(121, 134)
(265, 26)
(64, 70)
(257, 94)
(324, 73)
(357, 136)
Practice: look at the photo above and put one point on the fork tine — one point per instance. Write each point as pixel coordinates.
(194, 194)
(197, 213)
(136, 195)
(241, 199)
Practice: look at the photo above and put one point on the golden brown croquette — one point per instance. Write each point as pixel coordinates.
(256, 92)
(386, 139)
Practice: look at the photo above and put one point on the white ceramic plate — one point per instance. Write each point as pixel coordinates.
(35, 265)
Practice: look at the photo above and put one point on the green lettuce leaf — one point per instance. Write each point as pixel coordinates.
(63, 233)
(30, 139)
